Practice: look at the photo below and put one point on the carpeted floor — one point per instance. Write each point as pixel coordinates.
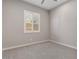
(41, 51)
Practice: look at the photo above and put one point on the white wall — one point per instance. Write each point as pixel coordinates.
(13, 23)
(63, 21)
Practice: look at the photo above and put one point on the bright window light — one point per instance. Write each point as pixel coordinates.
(31, 21)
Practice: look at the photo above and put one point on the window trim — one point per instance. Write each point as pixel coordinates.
(25, 31)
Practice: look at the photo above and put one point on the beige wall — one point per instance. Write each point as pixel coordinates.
(13, 24)
(63, 24)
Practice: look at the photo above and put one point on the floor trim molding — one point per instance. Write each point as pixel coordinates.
(34, 43)
(63, 44)
(24, 45)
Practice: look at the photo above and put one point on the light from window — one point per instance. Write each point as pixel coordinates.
(31, 21)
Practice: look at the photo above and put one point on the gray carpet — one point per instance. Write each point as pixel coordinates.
(41, 51)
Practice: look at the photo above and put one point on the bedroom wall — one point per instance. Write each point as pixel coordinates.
(13, 24)
(63, 21)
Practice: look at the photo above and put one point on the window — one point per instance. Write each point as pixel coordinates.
(31, 21)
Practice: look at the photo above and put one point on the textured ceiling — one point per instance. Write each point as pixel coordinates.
(48, 4)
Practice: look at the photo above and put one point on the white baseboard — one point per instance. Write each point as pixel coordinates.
(24, 45)
(63, 44)
(33, 43)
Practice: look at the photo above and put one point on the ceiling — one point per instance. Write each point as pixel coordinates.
(48, 4)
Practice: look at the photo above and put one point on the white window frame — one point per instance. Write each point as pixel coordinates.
(25, 31)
